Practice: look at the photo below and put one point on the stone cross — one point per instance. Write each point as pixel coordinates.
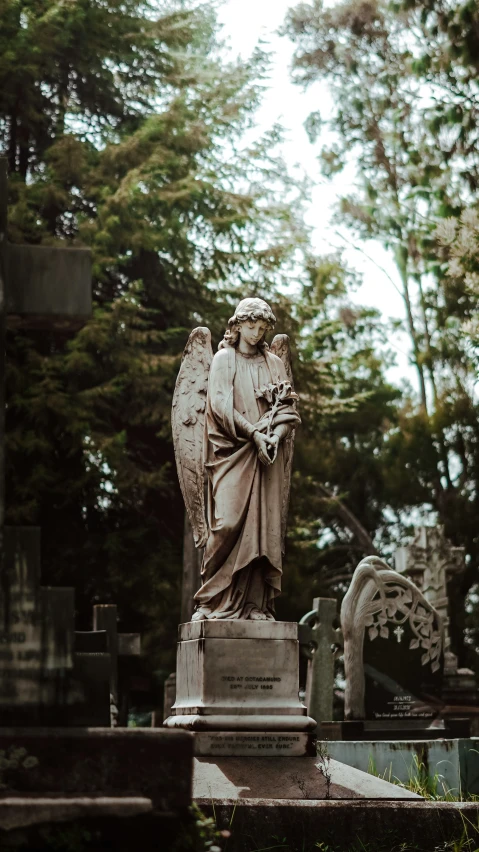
(102, 660)
(399, 632)
(319, 639)
(430, 561)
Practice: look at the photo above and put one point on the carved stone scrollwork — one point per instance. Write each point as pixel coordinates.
(384, 603)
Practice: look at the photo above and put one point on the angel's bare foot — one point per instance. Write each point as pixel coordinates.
(257, 615)
(198, 615)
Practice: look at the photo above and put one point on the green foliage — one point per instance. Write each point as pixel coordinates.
(131, 144)
(394, 91)
(347, 409)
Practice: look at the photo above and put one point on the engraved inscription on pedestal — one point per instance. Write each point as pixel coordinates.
(238, 683)
(248, 744)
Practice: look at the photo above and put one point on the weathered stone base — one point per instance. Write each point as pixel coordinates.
(238, 676)
(254, 744)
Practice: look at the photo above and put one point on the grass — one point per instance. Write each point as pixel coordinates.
(432, 787)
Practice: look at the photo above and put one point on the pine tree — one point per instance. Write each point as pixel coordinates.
(129, 143)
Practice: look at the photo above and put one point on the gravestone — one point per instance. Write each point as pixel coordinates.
(320, 638)
(431, 562)
(36, 637)
(40, 287)
(102, 670)
(393, 651)
(124, 649)
(49, 673)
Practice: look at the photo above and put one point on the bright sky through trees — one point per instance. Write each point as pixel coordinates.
(247, 23)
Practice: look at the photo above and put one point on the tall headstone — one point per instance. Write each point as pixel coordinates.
(431, 562)
(40, 287)
(36, 635)
(393, 650)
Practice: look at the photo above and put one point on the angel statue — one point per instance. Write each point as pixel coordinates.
(234, 417)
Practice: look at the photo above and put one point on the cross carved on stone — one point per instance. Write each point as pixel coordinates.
(430, 561)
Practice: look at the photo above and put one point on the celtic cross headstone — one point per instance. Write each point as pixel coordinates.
(320, 638)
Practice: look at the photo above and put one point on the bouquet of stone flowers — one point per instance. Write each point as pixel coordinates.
(276, 394)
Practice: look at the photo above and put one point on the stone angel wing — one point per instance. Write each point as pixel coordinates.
(281, 347)
(188, 422)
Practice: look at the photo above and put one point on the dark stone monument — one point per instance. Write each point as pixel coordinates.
(393, 657)
(432, 563)
(36, 636)
(103, 664)
(40, 287)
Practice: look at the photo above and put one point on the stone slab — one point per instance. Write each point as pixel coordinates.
(254, 744)
(287, 778)
(232, 629)
(454, 763)
(340, 824)
(18, 812)
(129, 644)
(48, 283)
(151, 763)
(89, 691)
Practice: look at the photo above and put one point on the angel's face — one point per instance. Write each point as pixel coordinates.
(253, 331)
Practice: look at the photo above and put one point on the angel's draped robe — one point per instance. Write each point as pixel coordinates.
(242, 563)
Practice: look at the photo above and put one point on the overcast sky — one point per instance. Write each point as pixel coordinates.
(245, 23)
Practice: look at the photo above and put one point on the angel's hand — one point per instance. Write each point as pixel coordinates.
(273, 446)
(262, 443)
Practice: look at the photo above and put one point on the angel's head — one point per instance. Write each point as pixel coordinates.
(250, 312)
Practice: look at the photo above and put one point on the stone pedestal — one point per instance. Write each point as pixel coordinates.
(238, 676)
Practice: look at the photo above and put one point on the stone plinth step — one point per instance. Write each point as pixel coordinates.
(213, 722)
(219, 778)
(21, 812)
